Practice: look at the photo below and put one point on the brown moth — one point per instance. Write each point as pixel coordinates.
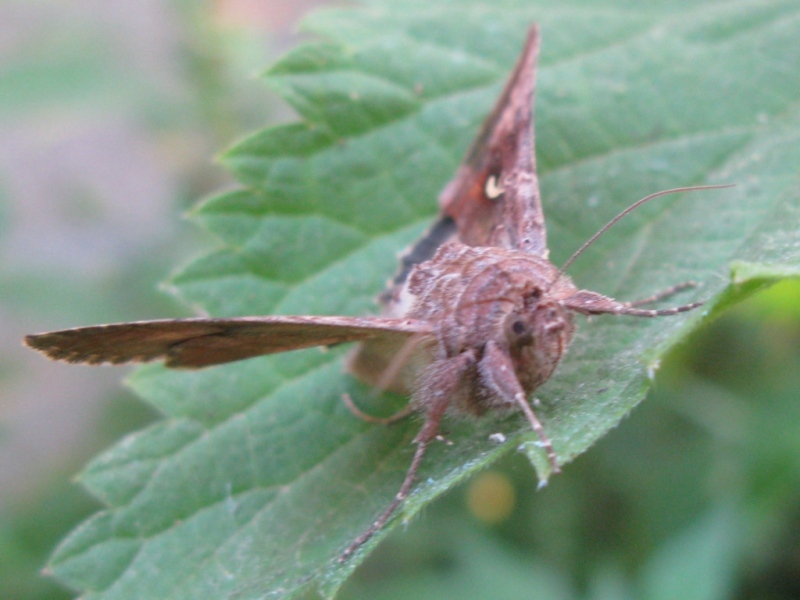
(476, 319)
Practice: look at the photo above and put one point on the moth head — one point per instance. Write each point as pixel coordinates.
(537, 320)
(518, 331)
(537, 336)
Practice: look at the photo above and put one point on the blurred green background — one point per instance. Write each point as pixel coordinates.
(110, 115)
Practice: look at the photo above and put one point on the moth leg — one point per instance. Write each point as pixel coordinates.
(498, 374)
(358, 413)
(385, 382)
(670, 291)
(435, 396)
(591, 303)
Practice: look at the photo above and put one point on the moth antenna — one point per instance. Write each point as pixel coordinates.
(624, 213)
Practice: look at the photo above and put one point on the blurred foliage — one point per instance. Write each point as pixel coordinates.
(75, 67)
(31, 528)
(695, 495)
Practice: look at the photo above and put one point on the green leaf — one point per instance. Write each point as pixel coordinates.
(258, 477)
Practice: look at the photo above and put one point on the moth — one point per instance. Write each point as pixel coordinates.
(475, 320)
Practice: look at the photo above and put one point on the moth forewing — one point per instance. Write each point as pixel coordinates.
(494, 197)
(201, 342)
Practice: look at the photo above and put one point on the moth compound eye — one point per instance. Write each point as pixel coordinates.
(493, 188)
(518, 332)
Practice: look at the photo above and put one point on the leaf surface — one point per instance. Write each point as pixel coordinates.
(258, 477)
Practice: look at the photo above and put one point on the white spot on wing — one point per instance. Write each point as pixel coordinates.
(493, 189)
